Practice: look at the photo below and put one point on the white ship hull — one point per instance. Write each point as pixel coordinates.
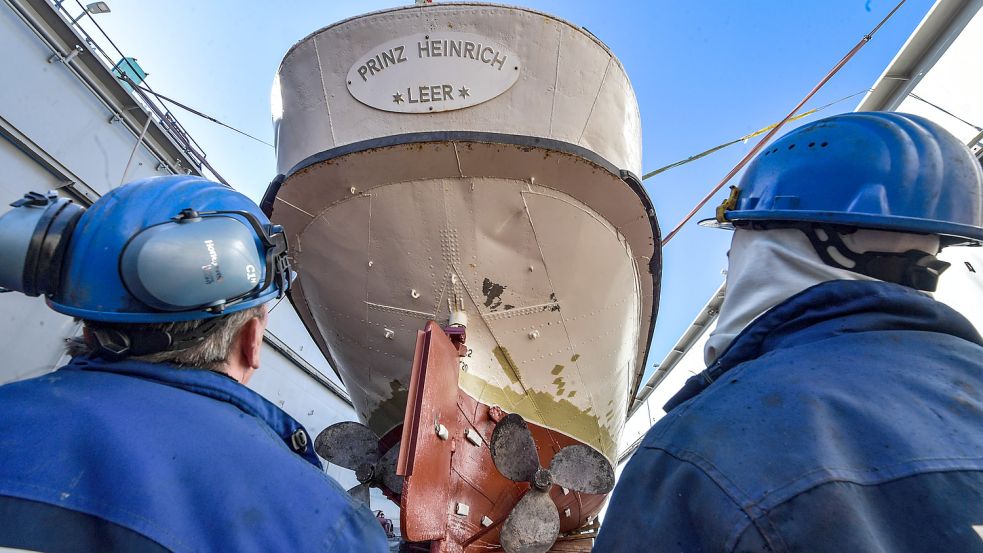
(515, 204)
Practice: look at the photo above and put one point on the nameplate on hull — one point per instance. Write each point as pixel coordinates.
(429, 73)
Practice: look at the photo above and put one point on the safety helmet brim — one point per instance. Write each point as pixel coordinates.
(953, 234)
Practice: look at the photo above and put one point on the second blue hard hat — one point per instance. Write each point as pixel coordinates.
(878, 170)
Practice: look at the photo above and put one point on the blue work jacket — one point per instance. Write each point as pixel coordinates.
(847, 419)
(132, 456)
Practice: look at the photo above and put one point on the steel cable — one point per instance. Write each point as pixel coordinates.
(757, 147)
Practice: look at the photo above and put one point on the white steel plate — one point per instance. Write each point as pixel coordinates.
(428, 73)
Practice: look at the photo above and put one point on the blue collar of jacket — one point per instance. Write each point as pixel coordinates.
(826, 310)
(213, 385)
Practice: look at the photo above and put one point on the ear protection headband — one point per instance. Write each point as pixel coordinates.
(198, 261)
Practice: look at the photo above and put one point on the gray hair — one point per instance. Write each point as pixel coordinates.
(212, 353)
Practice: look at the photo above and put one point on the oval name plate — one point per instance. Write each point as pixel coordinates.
(434, 72)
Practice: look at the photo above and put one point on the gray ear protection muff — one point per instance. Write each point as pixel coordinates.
(203, 260)
(34, 237)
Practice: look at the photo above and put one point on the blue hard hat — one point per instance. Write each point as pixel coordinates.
(167, 249)
(877, 170)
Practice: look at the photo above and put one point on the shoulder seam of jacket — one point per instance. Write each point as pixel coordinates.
(748, 509)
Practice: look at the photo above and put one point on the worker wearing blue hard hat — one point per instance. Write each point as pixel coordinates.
(148, 440)
(842, 406)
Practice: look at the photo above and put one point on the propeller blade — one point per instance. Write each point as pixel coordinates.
(533, 524)
(361, 493)
(348, 444)
(513, 450)
(387, 470)
(582, 468)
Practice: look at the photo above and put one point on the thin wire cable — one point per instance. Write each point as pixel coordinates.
(198, 113)
(275, 305)
(757, 147)
(945, 111)
(147, 88)
(86, 12)
(746, 137)
(172, 125)
(133, 152)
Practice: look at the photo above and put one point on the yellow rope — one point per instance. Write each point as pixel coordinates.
(746, 137)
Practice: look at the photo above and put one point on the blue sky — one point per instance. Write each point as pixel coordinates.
(704, 73)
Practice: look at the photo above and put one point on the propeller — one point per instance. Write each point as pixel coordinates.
(354, 446)
(534, 523)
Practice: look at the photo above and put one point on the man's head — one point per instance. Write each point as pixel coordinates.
(230, 344)
(866, 170)
(766, 267)
(166, 269)
(858, 196)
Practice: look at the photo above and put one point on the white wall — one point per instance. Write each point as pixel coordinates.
(50, 105)
(31, 335)
(954, 84)
(961, 286)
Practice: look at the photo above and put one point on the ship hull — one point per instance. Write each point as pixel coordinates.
(537, 252)
(472, 165)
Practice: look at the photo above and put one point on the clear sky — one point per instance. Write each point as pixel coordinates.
(704, 73)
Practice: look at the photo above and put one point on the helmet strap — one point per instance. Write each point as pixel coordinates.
(913, 268)
(118, 342)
